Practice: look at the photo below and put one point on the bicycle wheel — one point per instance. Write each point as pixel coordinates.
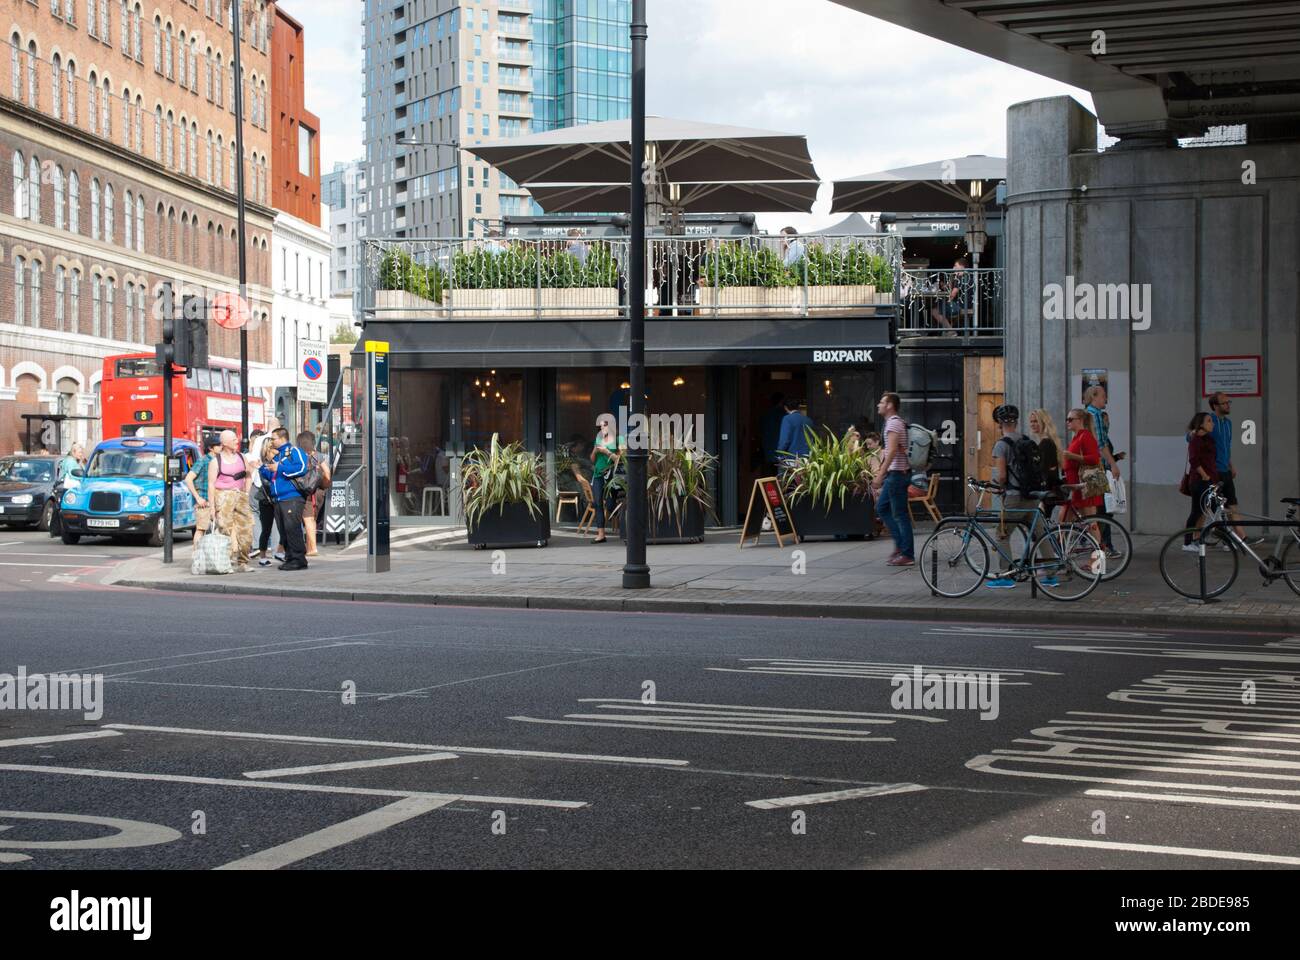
(953, 561)
(1116, 561)
(1181, 568)
(1291, 562)
(1062, 563)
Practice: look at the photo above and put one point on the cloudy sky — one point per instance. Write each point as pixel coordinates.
(869, 95)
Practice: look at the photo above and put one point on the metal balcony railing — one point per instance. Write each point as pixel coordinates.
(698, 276)
(950, 303)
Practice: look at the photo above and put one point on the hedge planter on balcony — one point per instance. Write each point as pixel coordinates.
(512, 526)
(665, 529)
(856, 519)
(731, 301)
(522, 303)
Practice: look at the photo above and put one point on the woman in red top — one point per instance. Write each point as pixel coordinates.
(1200, 464)
(1083, 452)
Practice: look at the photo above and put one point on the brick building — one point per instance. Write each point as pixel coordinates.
(295, 138)
(117, 155)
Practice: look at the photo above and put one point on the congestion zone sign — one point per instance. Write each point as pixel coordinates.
(311, 371)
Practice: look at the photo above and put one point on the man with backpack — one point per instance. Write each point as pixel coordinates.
(1017, 462)
(287, 478)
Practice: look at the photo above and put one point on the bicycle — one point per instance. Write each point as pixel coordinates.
(1212, 566)
(1117, 559)
(1058, 560)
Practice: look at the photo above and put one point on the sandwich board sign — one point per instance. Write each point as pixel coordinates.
(767, 501)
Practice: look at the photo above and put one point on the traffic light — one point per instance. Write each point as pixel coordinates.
(194, 317)
(175, 348)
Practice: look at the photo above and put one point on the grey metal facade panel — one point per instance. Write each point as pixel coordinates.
(588, 343)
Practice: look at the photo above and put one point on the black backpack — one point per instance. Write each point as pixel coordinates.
(1026, 467)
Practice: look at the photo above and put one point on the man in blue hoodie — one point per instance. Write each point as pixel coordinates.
(278, 477)
(793, 441)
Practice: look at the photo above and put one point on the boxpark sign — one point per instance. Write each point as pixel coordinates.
(842, 356)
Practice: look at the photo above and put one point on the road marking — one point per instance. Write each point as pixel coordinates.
(337, 835)
(59, 738)
(1156, 848)
(493, 676)
(74, 566)
(12, 543)
(239, 686)
(277, 785)
(428, 747)
(720, 730)
(872, 670)
(130, 833)
(892, 715)
(247, 656)
(204, 653)
(883, 790)
(22, 553)
(347, 765)
(1183, 798)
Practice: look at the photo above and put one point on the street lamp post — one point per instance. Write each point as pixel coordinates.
(455, 146)
(238, 94)
(636, 572)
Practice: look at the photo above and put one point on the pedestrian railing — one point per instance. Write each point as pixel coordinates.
(950, 303)
(694, 276)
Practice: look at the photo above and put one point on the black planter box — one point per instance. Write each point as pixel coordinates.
(856, 520)
(665, 530)
(512, 526)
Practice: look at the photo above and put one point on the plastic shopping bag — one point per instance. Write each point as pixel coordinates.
(1116, 495)
(212, 555)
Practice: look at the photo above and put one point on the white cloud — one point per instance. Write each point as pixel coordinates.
(869, 95)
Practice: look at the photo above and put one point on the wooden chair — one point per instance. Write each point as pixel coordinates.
(927, 501)
(567, 498)
(589, 515)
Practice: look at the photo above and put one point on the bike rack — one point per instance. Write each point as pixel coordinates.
(1200, 560)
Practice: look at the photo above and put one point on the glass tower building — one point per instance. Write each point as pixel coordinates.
(448, 74)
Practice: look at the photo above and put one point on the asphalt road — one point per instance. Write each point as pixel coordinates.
(524, 739)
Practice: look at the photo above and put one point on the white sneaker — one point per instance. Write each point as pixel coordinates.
(1191, 548)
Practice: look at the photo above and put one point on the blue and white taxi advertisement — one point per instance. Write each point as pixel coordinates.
(121, 491)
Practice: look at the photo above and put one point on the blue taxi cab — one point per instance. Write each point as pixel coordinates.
(121, 492)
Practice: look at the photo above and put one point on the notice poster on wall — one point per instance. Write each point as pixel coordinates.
(1239, 376)
(1094, 377)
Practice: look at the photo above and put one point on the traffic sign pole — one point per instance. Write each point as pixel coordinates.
(377, 559)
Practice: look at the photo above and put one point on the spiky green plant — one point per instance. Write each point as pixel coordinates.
(676, 477)
(502, 475)
(832, 468)
(399, 271)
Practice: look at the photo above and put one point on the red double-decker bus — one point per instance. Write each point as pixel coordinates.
(203, 401)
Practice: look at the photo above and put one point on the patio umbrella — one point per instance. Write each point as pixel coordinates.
(944, 186)
(792, 196)
(682, 151)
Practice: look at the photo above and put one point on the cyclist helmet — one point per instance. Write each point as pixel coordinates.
(1006, 413)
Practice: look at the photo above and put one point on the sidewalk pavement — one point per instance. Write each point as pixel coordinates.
(840, 579)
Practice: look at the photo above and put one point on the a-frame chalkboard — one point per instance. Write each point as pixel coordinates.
(768, 500)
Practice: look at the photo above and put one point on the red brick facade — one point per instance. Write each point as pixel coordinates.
(295, 139)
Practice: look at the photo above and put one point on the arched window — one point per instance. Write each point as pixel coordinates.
(207, 163)
(194, 149)
(157, 45)
(207, 73)
(194, 65)
(124, 27)
(139, 315)
(231, 181)
(183, 157)
(72, 92)
(33, 94)
(20, 288)
(220, 76)
(34, 273)
(110, 293)
(184, 61)
(128, 220)
(34, 189)
(137, 40)
(171, 232)
(92, 102)
(169, 138)
(128, 311)
(94, 208)
(20, 186)
(126, 117)
(169, 56)
(157, 133)
(108, 213)
(220, 255)
(56, 87)
(139, 124)
(60, 292)
(92, 27)
(74, 202)
(96, 305)
(219, 164)
(105, 23)
(74, 301)
(16, 56)
(59, 201)
(107, 117)
(139, 223)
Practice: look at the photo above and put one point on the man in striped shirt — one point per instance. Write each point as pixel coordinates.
(891, 485)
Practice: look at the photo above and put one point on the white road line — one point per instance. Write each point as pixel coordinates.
(21, 553)
(203, 653)
(1155, 848)
(507, 673)
(429, 747)
(721, 730)
(12, 543)
(277, 785)
(347, 765)
(883, 790)
(1184, 798)
(337, 835)
(734, 706)
(240, 686)
(74, 566)
(59, 738)
(247, 656)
